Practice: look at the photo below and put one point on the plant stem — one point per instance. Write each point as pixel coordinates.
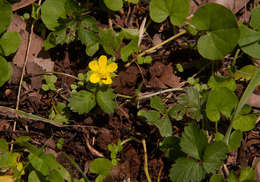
(130, 139)
(56, 73)
(157, 93)
(146, 162)
(235, 58)
(156, 46)
(125, 96)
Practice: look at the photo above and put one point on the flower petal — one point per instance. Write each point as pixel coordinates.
(102, 62)
(107, 81)
(94, 78)
(112, 67)
(93, 65)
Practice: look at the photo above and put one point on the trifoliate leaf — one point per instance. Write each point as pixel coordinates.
(214, 155)
(187, 170)
(247, 174)
(245, 73)
(193, 141)
(244, 122)
(220, 101)
(106, 100)
(177, 10)
(222, 30)
(235, 140)
(82, 101)
(217, 178)
(156, 103)
(51, 12)
(216, 81)
(6, 15)
(249, 41)
(6, 71)
(114, 5)
(10, 42)
(100, 166)
(255, 18)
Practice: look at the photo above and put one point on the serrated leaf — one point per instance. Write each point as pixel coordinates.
(109, 41)
(87, 31)
(51, 12)
(156, 103)
(193, 141)
(249, 41)
(217, 178)
(114, 5)
(150, 116)
(214, 155)
(222, 30)
(245, 73)
(187, 170)
(106, 100)
(5, 15)
(127, 50)
(177, 10)
(82, 102)
(220, 101)
(247, 174)
(6, 71)
(215, 82)
(10, 42)
(244, 122)
(130, 33)
(100, 166)
(177, 112)
(255, 18)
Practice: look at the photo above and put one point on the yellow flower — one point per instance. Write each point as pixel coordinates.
(101, 70)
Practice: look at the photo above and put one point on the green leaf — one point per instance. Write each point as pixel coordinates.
(91, 49)
(187, 170)
(100, 166)
(3, 146)
(106, 100)
(249, 41)
(220, 101)
(6, 15)
(156, 103)
(51, 13)
(193, 141)
(8, 160)
(6, 71)
(217, 178)
(82, 102)
(127, 50)
(177, 112)
(255, 18)
(245, 73)
(10, 42)
(219, 136)
(222, 30)
(232, 177)
(215, 82)
(244, 122)
(177, 10)
(87, 31)
(235, 140)
(33, 177)
(163, 124)
(130, 33)
(114, 5)
(109, 41)
(247, 174)
(214, 155)
(54, 176)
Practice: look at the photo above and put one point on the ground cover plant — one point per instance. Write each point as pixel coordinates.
(129, 90)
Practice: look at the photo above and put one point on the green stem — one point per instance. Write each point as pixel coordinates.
(158, 93)
(55, 73)
(156, 46)
(146, 162)
(125, 96)
(235, 57)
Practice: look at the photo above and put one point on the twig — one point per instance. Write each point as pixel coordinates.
(146, 162)
(158, 93)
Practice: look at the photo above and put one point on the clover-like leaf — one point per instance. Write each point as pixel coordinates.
(177, 10)
(10, 42)
(6, 15)
(221, 27)
(193, 141)
(82, 102)
(235, 140)
(6, 71)
(245, 73)
(249, 41)
(220, 101)
(255, 18)
(214, 155)
(114, 5)
(216, 81)
(244, 122)
(106, 100)
(51, 12)
(187, 170)
(156, 103)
